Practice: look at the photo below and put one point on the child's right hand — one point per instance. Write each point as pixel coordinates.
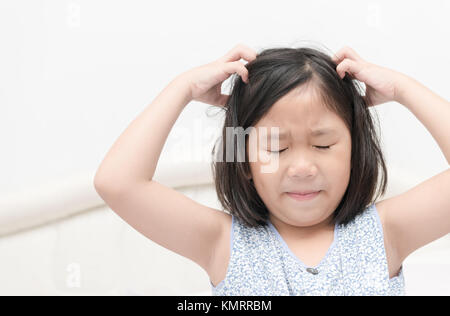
(205, 81)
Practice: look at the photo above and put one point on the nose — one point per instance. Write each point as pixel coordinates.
(302, 167)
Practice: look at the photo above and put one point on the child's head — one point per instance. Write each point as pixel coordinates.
(299, 91)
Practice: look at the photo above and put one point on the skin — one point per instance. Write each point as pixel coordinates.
(410, 220)
(303, 166)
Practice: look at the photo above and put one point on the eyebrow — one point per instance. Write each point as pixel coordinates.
(314, 133)
(322, 131)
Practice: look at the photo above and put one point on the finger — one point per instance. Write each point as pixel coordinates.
(237, 67)
(348, 65)
(238, 52)
(346, 52)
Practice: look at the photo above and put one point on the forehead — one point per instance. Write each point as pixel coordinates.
(302, 109)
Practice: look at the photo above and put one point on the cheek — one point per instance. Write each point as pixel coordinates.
(264, 181)
(339, 168)
(266, 184)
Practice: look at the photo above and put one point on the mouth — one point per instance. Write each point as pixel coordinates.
(304, 196)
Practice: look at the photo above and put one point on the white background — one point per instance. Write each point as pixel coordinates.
(74, 74)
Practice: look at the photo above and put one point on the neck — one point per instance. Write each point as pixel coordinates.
(290, 230)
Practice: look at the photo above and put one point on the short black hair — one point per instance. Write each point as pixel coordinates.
(274, 73)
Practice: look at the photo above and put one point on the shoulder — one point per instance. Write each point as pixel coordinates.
(236, 234)
(369, 230)
(419, 215)
(222, 251)
(365, 229)
(393, 259)
(364, 222)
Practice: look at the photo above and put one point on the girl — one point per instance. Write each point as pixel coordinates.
(311, 226)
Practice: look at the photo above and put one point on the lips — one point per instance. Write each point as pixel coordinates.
(304, 192)
(309, 195)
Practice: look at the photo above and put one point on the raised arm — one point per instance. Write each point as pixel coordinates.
(422, 214)
(125, 182)
(133, 157)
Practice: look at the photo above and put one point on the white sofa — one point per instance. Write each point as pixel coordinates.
(61, 239)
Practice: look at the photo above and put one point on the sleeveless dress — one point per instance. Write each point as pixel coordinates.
(261, 264)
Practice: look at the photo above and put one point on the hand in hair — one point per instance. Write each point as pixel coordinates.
(381, 83)
(206, 80)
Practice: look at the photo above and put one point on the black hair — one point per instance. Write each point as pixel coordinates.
(274, 73)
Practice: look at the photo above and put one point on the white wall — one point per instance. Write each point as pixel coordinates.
(75, 73)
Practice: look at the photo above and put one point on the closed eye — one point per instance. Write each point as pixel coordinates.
(323, 147)
(319, 147)
(278, 151)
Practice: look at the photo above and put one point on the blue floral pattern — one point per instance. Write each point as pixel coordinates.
(261, 264)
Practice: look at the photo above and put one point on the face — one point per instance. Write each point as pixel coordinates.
(304, 163)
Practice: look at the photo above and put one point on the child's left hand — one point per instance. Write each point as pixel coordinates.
(381, 83)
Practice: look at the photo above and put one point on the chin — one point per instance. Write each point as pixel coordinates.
(301, 220)
(304, 217)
